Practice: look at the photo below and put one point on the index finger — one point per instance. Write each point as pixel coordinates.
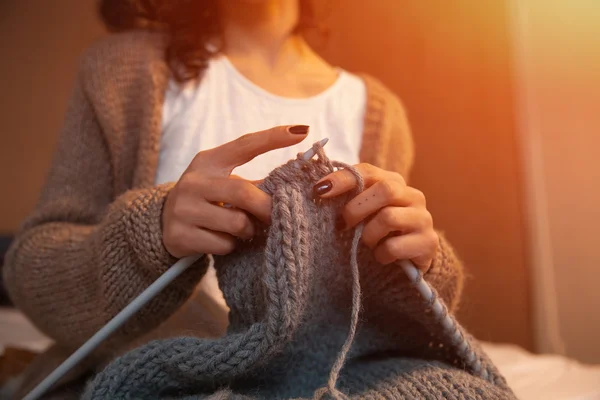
(226, 157)
(342, 181)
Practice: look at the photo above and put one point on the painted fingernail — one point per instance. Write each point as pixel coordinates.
(299, 129)
(322, 187)
(340, 224)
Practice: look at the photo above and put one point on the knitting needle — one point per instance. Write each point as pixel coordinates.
(124, 315)
(311, 152)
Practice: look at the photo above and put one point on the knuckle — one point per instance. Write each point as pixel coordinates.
(187, 183)
(395, 247)
(388, 216)
(239, 223)
(387, 189)
(367, 169)
(366, 238)
(348, 216)
(419, 196)
(399, 177)
(201, 156)
(223, 247)
(240, 189)
(370, 238)
(433, 240)
(428, 220)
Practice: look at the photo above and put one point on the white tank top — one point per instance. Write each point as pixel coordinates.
(226, 105)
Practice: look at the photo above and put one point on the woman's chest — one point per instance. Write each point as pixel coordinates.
(218, 114)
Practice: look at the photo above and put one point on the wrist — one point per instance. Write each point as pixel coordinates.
(145, 228)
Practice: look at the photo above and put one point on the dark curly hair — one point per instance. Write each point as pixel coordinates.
(189, 24)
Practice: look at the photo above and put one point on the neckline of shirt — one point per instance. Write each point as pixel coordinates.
(248, 84)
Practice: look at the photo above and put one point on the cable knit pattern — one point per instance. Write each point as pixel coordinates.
(94, 239)
(290, 291)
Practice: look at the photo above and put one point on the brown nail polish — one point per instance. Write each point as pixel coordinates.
(340, 224)
(322, 187)
(299, 129)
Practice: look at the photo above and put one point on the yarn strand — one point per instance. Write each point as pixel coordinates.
(356, 299)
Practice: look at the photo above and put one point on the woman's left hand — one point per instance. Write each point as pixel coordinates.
(397, 223)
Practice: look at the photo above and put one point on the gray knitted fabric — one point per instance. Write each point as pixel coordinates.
(294, 296)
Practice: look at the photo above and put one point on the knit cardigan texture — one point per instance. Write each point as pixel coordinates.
(290, 292)
(93, 241)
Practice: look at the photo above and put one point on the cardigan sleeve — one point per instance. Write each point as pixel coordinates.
(84, 253)
(388, 131)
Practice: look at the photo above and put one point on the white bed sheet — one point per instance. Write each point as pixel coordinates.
(532, 377)
(17, 331)
(541, 377)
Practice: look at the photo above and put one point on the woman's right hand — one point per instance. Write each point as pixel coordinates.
(193, 219)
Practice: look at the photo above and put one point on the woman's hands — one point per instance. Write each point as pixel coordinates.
(397, 223)
(193, 219)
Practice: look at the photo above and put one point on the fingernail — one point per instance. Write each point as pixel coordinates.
(340, 224)
(298, 129)
(322, 187)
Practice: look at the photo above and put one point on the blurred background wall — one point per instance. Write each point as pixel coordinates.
(557, 59)
(456, 67)
(40, 43)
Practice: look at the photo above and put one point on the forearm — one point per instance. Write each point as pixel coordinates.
(446, 274)
(70, 279)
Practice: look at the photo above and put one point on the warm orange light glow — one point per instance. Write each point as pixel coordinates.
(563, 41)
(558, 67)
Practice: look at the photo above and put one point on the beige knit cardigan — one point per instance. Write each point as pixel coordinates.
(94, 240)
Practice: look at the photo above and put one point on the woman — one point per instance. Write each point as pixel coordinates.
(152, 135)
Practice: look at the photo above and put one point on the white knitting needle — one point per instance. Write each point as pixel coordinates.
(124, 315)
(311, 152)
